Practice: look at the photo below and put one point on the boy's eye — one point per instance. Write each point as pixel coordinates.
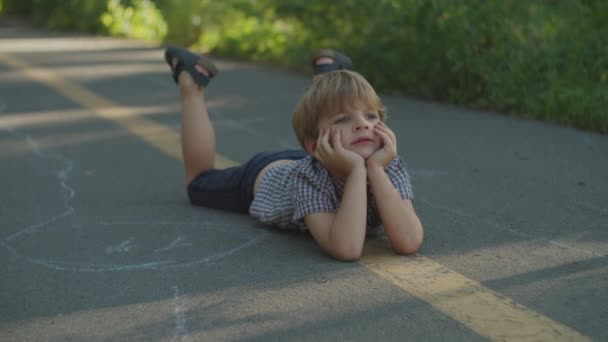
(341, 119)
(372, 115)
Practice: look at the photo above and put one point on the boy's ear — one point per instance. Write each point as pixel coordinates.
(310, 145)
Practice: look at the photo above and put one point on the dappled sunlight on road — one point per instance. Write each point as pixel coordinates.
(93, 72)
(98, 323)
(60, 44)
(70, 116)
(19, 145)
(246, 311)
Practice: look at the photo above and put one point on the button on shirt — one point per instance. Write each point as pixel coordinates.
(288, 192)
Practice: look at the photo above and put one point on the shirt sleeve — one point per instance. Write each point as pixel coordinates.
(398, 175)
(312, 197)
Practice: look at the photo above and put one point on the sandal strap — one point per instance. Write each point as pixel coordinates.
(179, 66)
(187, 61)
(198, 77)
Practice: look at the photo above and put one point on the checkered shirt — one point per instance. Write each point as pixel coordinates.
(288, 192)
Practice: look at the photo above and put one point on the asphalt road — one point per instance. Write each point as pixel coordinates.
(98, 241)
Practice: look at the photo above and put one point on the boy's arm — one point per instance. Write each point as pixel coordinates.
(342, 234)
(401, 224)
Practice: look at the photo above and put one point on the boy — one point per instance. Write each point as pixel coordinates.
(349, 178)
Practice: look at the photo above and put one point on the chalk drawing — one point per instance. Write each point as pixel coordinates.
(62, 176)
(181, 333)
(161, 245)
(63, 264)
(177, 243)
(124, 247)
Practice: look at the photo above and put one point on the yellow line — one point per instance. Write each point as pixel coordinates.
(157, 135)
(463, 299)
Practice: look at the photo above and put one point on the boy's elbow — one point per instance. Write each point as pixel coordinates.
(349, 255)
(408, 247)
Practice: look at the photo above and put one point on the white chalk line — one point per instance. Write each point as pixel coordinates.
(124, 247)
(62, 265)
(63, 176)
(177, 243)
(181, 332)
(161, 222)
(218, 226)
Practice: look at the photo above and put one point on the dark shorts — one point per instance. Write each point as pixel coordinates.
(232, 188)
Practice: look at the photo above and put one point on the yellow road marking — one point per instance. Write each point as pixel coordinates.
(465, 300)
(157, 135)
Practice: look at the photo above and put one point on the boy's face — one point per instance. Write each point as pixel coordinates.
(356, 125)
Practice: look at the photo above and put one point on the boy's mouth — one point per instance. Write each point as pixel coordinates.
(363, 140)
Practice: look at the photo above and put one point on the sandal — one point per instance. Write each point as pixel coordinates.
(186, 61)
(341, 61)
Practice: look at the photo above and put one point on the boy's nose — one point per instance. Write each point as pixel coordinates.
(361, 125)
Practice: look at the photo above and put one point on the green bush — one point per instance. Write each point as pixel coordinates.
(545, 59)
(125, 18)
(78, 15)
(141, 19)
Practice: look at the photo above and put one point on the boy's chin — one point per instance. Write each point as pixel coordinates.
(366, 154)
(366, 151)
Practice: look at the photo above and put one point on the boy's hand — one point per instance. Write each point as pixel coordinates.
(388, 151)
(333, 155)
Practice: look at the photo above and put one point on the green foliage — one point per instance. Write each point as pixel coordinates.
(186, 18)
(241, 28)
(16, 7)
(545, 59)
(79, 15)
(137, 19)
(127, 18)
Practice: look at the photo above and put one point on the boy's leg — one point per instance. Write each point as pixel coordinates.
(197, 133)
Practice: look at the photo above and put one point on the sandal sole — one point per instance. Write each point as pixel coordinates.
(341, 61)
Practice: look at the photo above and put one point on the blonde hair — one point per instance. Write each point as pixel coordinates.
(332, 93)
